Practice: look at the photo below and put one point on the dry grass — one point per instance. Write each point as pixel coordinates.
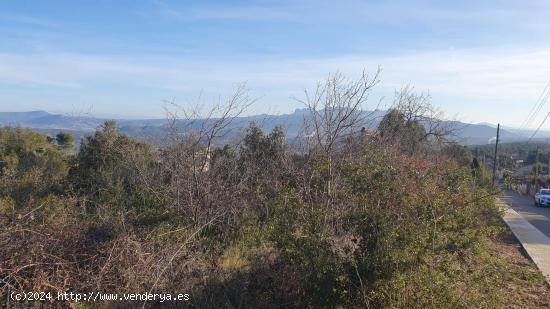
(523, 284)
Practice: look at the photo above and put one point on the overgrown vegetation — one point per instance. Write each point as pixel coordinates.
(394, 219)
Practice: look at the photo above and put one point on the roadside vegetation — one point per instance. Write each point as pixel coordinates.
(399, 217)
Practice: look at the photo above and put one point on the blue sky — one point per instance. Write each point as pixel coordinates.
(480, 60)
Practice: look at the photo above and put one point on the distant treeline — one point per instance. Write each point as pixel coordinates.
(510, 152)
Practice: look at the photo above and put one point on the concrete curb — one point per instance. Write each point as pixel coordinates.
(535, 243)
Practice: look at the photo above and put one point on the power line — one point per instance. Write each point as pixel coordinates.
(545, 118)
(538, 104)
(537, 131)
(537, 107)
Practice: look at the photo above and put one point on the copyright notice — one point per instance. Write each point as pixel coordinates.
(96, 296)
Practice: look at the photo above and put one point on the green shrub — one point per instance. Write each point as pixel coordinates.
(7, 206)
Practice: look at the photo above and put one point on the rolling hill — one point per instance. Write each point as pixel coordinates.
(468, 134)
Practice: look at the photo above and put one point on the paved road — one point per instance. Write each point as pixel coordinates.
(525, 206)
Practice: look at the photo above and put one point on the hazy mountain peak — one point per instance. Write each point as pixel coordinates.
(467, 133)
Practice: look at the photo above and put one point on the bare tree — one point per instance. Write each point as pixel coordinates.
(336, 109)
(192, 134)
(413, 120)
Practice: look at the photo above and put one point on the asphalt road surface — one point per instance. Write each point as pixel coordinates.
(525, 206)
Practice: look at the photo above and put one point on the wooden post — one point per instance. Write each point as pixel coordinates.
(496, 153)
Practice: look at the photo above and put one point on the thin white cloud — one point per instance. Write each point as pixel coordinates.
(522, 14)
(486, 76)
(232, 13)
(27, 20)
(224, 12)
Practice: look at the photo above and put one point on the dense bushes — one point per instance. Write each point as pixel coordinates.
(403, 233)
(398, 230)
(250, 225)
(106, 170)
(32, 167)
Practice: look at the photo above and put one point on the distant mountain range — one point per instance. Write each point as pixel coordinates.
(468, 134)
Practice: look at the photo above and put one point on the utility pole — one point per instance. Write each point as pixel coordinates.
(495, 157)
(537, 168)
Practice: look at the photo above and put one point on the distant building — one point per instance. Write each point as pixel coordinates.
(368, 133)
(527, 170)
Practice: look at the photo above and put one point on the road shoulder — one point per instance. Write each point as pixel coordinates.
(535, 243)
